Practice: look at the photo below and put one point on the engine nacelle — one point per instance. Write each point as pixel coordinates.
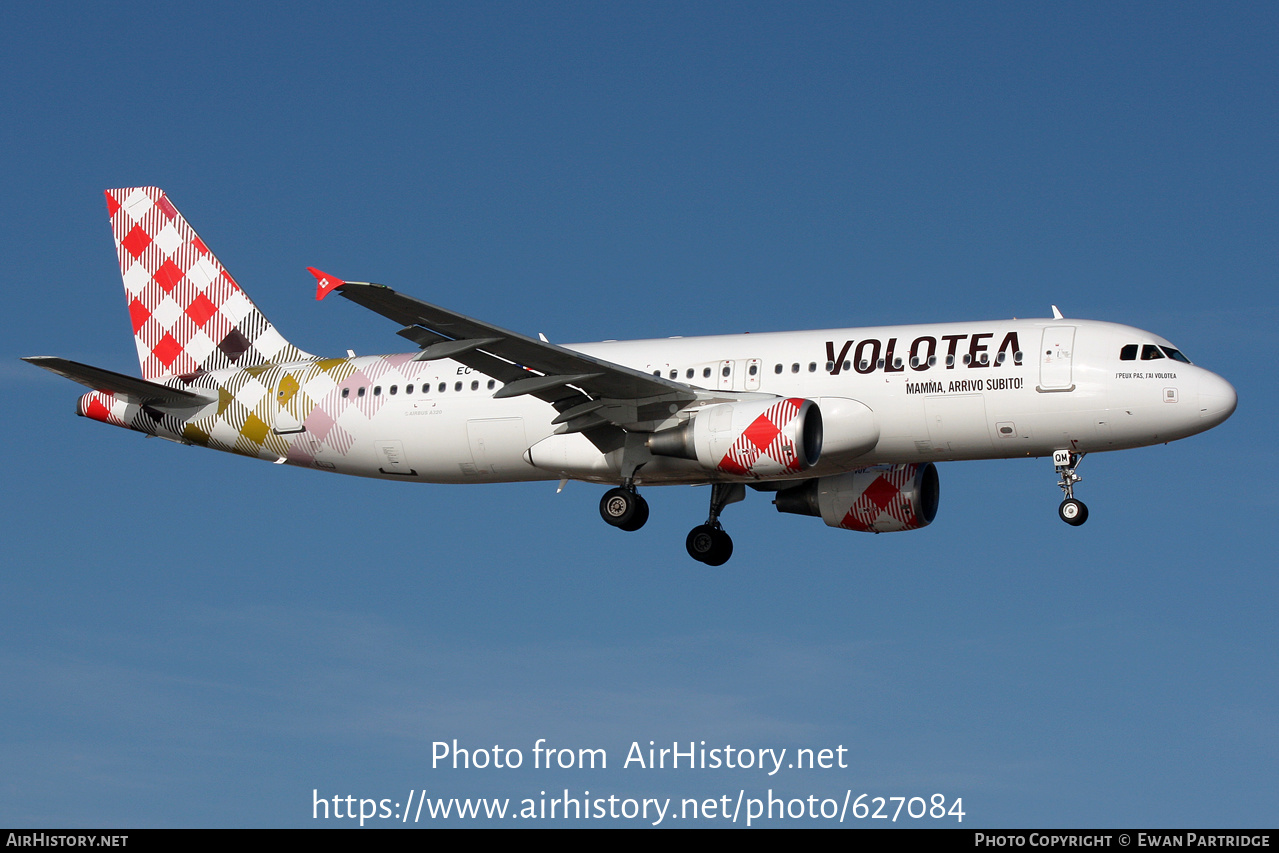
(760, 438)
(878, 499)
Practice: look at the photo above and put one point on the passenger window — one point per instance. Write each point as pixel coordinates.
(688, 374)
(848, 365)
(706, 373)
(394, 388)
(360, 392)
(725, 371)
(950, 361)
(880, 364)
(1128, 353)
(932, 360)
(897, 363)
(794, 368)
(408, 389)
(754, 369)
(1150, 352)
(457, 386)
(475, 385)
(346, 392)
(812, 367)
(674, 374)
(777, 368)
(492, 383)
(443, 387)
(1017, 357)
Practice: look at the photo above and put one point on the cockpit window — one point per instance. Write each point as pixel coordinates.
(1175, 355)
(1128, 353)
(1150, 352)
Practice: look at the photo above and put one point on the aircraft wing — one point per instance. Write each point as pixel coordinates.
(98, 379)
(588, 392)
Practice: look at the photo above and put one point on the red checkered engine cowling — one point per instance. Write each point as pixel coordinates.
(761, 438)
(879, 499)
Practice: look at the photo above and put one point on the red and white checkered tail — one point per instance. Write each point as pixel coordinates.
(188, 314)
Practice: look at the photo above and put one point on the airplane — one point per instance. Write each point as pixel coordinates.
(843, 424)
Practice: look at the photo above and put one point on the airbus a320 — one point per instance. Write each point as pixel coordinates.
(842, 424)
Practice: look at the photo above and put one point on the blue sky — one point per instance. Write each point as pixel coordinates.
(199, 640)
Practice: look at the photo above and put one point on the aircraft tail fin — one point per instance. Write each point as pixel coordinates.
(188, 314)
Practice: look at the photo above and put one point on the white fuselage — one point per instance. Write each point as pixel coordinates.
(935, 392)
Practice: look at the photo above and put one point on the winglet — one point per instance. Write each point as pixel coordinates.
(324, 283)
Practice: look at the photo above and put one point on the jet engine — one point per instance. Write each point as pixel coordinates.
(878, 499)
(759, 438)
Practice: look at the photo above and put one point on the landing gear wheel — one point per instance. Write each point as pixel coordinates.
(709, 545)
(641, 516)
(1073, 512)
(624, 509)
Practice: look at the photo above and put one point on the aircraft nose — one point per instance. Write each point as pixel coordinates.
(1217, 399)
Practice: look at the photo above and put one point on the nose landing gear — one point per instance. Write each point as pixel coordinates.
(1071, 511)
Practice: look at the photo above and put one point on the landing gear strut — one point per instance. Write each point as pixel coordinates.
(624, 508)
(708, 543)
(1071, 511)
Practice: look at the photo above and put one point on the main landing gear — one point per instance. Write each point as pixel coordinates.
(624, 508)
(1071, 511)
(708, 543)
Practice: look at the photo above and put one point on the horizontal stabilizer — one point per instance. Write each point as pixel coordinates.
(144, 392)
